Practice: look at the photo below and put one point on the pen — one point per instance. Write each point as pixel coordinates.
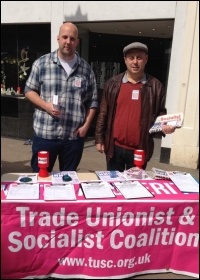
(179, 173)
(5, 190)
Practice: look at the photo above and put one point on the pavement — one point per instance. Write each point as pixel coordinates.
(16, 155)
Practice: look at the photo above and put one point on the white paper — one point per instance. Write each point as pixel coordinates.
(133, 189)
(55, 102)
(32, 178)
(55, 99)
(184, 181)
(57, 177)
(23, 191)
(97, 190)
(110, 176)
(59, 192)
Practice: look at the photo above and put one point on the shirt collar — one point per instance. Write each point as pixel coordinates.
(143, 80)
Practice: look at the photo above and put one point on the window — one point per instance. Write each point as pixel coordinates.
(21, 45)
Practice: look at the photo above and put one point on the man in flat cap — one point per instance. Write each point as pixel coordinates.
(130, 103)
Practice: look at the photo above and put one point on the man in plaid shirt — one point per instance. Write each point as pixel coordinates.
(63, 78)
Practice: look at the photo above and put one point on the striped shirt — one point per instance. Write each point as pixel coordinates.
(76, 94)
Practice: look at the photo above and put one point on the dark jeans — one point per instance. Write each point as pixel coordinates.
(122, 159)
(69, 153)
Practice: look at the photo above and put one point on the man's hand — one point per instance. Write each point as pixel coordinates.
(168, 129)
(51, 110)
(100, 148)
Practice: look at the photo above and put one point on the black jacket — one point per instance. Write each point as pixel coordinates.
(153, 105)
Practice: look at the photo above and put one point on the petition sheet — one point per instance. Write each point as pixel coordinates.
(23, 191)
(184, 181)
(59, 192)
(133, 189)
(97, 190)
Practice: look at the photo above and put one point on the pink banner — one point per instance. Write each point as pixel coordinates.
(102, 238)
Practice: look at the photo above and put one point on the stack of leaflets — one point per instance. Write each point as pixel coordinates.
(175, 120)
(64, 177)
(27, 178)
(158, 174)
(110, 176)
(134, 173)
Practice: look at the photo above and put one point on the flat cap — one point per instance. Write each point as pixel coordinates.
(135, 45)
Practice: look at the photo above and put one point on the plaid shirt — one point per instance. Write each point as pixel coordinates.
(76, 94)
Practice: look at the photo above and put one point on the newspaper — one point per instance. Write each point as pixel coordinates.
(175, 120)
(158, 174)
